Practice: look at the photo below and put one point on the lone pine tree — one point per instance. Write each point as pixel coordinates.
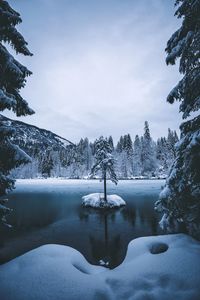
(12, 79)
(180, 198)
(104, 162)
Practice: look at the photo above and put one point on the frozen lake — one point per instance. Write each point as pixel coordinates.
(50, 212)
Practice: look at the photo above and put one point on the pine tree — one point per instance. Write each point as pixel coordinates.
(47, 164)
(162, 154)
(166, 151)
(124, 153)
(83, 157)
(184, 44)
(180, 198)
(147, 153)
(119, 153)
(120, 145)
(123, 165)
(129, 151)
(87, 155)
(104, 162)
(129, 145)
(110, 141)
(12, 79)
(172, 139)
(137, 166)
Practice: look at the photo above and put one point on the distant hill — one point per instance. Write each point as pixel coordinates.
(30, 137)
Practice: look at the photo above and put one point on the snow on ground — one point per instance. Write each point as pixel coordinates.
(53, 180)
(96, 200)
(144, 186)
(160, 267)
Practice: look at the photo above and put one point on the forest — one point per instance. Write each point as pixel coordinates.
(141, 158)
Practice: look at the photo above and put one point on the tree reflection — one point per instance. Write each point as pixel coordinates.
(142, 216)
(147, 217)
(110, 231)
(105, 246)
(106, 250)
(129, 214)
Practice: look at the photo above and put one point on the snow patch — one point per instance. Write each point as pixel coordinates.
(59, 272)
(96, 200)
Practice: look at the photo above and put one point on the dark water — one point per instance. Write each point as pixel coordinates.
(46, 212)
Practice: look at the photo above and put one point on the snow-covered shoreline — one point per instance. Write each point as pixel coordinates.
(61, 179)
(149, 271)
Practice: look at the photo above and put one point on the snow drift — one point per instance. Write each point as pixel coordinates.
(160, 267)
(96, 200)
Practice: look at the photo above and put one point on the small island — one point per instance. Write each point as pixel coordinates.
(96, 200)
(104, 164)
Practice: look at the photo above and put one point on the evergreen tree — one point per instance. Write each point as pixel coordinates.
(123, 165)
(172, 139)
(147, 153)
(80, 152)
(184, 44)
(104, 162)
(162, 154)
(180, 198)
(83, 157)
(12, 79)
(124, 153)
(120, 145)
(166, 151)
(129, 151)
(137, 166)
(47, 164)
(87, 155)
(110, 141)
(121, 158)
(129, 145)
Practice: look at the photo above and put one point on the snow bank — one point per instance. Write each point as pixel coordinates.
(50, 272)
(160, 267)
(96, 200)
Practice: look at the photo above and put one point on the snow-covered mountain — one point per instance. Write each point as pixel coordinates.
(50, 153)
(30, 137)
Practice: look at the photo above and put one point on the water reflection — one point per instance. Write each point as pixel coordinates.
(105, 244)
(55, 215)
(105, 250)
(129, 215)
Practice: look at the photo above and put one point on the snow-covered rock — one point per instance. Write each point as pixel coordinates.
(159, 267)
(96, 200)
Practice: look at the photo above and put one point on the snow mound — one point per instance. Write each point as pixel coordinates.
(50, 272)
(96, 200)
(59, 272)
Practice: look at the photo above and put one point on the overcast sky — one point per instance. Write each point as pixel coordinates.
(99, 66)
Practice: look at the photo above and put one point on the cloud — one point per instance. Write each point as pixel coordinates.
(99, 66)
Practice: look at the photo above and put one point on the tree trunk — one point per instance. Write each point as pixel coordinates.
(105, 192)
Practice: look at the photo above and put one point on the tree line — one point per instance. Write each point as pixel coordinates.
(133, 158)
